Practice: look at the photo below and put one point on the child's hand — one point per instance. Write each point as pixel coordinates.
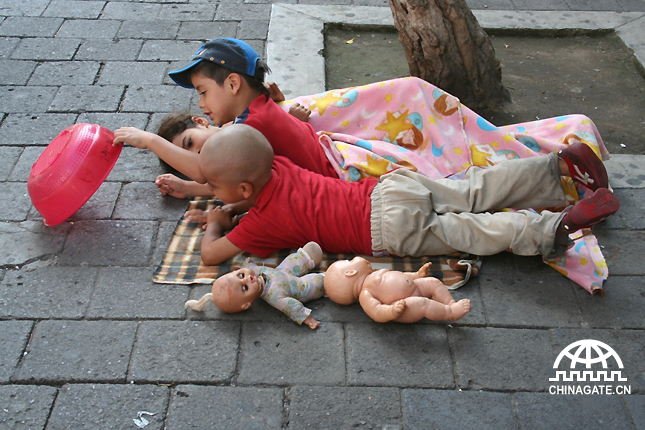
(312, 323)
(221, 216)
(274, 92)
(132, 136)
(300, 112)
(169, 184)
(196, 215)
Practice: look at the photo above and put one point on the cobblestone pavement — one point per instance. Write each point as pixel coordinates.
(88, 341)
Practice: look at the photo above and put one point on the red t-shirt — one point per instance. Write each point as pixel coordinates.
(297, 206)
(288, 136)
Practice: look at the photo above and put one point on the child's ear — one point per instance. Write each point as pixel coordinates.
(234, 82)
(350, 273)
(247, 189)
(200, 120)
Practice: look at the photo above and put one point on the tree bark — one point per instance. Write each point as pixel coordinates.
(445, 45)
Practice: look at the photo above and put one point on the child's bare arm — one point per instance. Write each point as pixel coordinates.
(170, 184)
(216, 248)
(184, 161)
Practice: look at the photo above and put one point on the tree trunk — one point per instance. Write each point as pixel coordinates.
(445, 45)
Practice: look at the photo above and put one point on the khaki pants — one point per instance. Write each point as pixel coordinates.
(414, 215)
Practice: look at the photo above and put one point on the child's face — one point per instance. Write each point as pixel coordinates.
(217, 101)
(192, 139)
(224, 191)
(236, 291)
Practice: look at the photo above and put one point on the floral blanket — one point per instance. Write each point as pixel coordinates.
(373, 129)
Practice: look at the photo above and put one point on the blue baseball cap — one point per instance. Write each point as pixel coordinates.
(233, 54)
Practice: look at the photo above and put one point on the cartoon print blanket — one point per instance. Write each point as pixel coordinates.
(372, 129)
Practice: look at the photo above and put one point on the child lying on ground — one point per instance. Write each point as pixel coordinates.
(401, 214)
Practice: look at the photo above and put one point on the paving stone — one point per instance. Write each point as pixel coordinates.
(30, 26)
(112, 121)
(135, 164)
(632, 5)
(517, 359)
(156, 98)
(628, 344)
(15, 72)
(84, 28)
(400, 355)
(457, 409)
(591, 5)
(185, 352)
(46, 49)
(253, 30)
(636, 407)
(109, 50)
(104, 98)
(9, 156)
(101, 204)
(31, 8)
(26, 99)
(632, 210)
(7, 46)
(32, 129)
(626, 171)
(148, 29)
(499, 264)
(378, 3)
(74, 9)
(128, 293)
(13, 339)
(27, 241)
(25, 406)
(155, 206)
(127, 73)
(16, 203)
(541, 5)
(48, 292)
(196, 30)
(78, 351)
(65, 73)
(194, 406)
(297, 354)
(490, 4)
(345, 407)
(546, 411)
(620, 307)
(188, 12)
(93, 406)
(623, 250)
(535, 301)
(233, 11)
(123, 11)
(108, 243)
(472, 292)
(169, 50)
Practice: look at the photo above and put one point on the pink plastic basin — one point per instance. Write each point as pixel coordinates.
(70, 170)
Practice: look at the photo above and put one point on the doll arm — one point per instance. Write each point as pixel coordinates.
(377, 310)
(198, 305)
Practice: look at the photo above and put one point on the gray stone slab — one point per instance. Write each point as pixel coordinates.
(623, 250)
(32, 8)
(135, 164)
(65, 73)
(287, 354)
(149, 29)
(541, 5)
(100, 205)
(89, 28)
(15, 72)
(78, 351)
(546, 411)
(345, 407)
(101, 98)
(185, 352)
(112, 121)
(194, 406)
(457, 409)
(253, 29)
(399, 355)
(25, 406)
(94, 406)
(628, 344)
(28, 129)
(169, 50)
(490, 4)
(621, 307)
(29, 241)
(516, 359)
(46, 49)
(30, 26)
(155, 206)
(156, 98)
(109, 243)
(631, 214)
(74, 9)
(26, 99)
(109, 50)
(591, 4)
(16, 202)
(472, 292)
(636, 407)
(128, 293)
(626, 171)
(632, 5)
(530, 300)
(7, 46)
(195, 30)
(232, 11)
(47, 292)
(127, 73)
(124, 10)
(13, 339)
(9, 156)
(188, 12)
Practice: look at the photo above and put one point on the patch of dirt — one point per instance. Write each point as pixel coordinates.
(547, 76)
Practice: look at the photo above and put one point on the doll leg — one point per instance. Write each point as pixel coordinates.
(418, 308)
(297, 263)
(434, 289)
(312, 286)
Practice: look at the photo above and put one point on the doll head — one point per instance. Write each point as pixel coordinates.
(344, 279)
(234, 292)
